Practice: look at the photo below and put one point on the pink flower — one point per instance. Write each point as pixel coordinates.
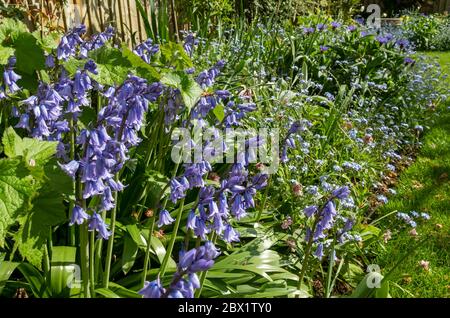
(425, 265)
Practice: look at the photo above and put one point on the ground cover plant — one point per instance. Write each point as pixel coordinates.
(95, 200)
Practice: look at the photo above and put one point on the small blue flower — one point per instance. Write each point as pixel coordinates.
(164, 218)
(96, 223)
(78, 215)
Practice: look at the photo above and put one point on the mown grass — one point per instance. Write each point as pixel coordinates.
(424, 187)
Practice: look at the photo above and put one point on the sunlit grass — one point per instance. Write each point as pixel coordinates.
(424, 187)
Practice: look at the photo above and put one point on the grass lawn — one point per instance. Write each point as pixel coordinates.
(424, 187)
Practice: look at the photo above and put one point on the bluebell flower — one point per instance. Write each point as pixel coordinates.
(164, 218)
(319, 251)
(96, 223)
(70, 168)
(341, 193)
(230, 235)
(78, 215)
(152, 289)
(310, 210)
(10, 78)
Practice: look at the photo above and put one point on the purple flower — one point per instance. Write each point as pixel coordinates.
(321, 27)
(341, 193)
(78, 215)
(152, 289)
(324, 48)
(96, 223)
(10, 77)
(310, 210)
(191, 220)
(319, 251)
(190, 42)
(69, 42)
(146, 50)
(50, 61)
(335, 25)
(70, 168)
(409, 61)
(230, 235)
(164, 218)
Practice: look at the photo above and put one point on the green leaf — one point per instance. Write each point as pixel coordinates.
(11, 29)
(160, 251)
(122, 291)
(143, 69)
(107, 293)
(6, 269)
(16, 188)
(62, 269)
(5, 53)
(30, 56)
(219, 112)
(136, 235)
(174, 54)
(35, 279)
(47, 210)
(190, 90)
(34, 151)
(129, 253)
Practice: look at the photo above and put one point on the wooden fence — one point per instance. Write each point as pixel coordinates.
(123, 14)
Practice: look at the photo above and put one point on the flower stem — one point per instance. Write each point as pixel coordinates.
(92, 262)
(84, 253)
(110, 244)
(172, 241)
(147, 251)
(263, 204)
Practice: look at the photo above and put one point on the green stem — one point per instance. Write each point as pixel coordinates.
(84, 255)
(263, 204)
(98, 254)
(330, 271)
(172, 241)
(110, 244)
(92, 262)
(304, 264)
(72, 239)
(147, 251)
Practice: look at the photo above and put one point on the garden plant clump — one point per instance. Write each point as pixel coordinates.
(100, 198)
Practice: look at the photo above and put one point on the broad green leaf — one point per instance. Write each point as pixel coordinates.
(143, 69)
(136, 235)
(6, 269)
(160, 251)
(47, 210)
(16, 189)
(34, 151)
(129, 253)
(63, 265)
(30, 56)
(190, 90)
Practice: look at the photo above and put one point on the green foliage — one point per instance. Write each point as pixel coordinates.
(33, 193)
(427, 32)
